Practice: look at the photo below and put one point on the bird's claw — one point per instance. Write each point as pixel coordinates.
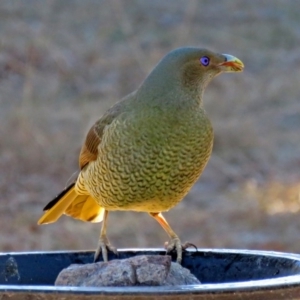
(188, 245)
(175, 244)
(103, 246)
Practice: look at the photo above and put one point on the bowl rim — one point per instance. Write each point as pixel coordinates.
(290, 281)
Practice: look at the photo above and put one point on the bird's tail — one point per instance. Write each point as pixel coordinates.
(82, 207)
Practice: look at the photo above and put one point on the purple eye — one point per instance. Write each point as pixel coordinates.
(204, 61)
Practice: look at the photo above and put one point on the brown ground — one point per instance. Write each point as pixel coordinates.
(63, 63)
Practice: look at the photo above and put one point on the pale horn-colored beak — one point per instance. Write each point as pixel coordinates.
(231, 64)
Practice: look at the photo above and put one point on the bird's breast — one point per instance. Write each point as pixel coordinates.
(149, 162)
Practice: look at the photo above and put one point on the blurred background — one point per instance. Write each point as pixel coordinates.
(63, 63)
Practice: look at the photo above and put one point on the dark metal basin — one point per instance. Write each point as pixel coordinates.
(225, 274)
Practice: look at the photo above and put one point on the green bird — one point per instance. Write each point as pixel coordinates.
(147, 151)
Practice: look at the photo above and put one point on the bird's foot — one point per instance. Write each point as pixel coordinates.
(175, 244)
(103, 246)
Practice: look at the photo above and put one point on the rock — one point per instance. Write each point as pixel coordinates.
(114, 273)
(180, 276)
(150, 269)
(143, 270)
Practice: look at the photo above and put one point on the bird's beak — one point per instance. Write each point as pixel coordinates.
(231, 64)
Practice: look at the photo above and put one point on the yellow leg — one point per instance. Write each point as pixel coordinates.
(175, 242)
(103, 244)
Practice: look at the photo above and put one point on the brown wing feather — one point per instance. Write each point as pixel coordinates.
(89, 150)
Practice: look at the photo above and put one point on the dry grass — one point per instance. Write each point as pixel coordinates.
(63, 63)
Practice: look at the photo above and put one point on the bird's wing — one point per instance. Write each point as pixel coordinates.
(82, 206)
(89, 150)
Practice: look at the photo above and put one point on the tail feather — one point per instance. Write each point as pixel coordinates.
(55, 208)
(85, 208)
(82, 207)
(58, 197)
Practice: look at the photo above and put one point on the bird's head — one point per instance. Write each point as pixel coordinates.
(198, 66)
(190, 69)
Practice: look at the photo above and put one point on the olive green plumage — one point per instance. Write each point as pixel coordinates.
(149, 158)
(146, 152)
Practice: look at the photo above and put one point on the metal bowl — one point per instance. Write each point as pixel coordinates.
(225, 274)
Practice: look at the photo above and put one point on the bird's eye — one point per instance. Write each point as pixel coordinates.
(204, 61)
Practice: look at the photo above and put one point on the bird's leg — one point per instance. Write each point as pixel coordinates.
(103, 244)
(175, 242)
